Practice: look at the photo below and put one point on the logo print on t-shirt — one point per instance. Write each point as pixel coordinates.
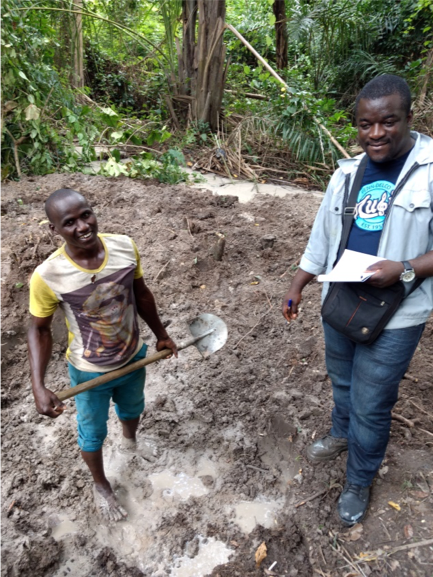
(373, 202)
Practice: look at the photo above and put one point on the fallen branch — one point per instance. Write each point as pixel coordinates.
(421, 409)
(162, 270)
(137, 146)
(275, 75)
(249, 95)
(353, 565)
(380, 553)
(259, 168)
(257, 323)
(257, 468)
(410, 378)
(318, 168)
(312, 497)
(402, 419)
(35, 250)
(11, 506)
(296, 264)
(424, 543)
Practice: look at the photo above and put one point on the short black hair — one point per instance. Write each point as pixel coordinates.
(57, 196)
(385, 85)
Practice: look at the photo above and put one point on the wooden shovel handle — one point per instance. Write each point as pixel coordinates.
(107, 377)
(72, 391)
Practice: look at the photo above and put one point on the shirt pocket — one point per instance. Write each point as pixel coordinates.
(336, 202)
(336, 207)
(412, 200)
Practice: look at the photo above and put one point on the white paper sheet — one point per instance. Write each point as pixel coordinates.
(351, 268)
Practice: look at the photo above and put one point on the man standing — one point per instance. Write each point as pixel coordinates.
(365, 378)
(97, 280)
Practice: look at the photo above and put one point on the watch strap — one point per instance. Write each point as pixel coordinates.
(407, 265)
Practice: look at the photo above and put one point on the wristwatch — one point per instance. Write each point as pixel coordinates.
(408, 274)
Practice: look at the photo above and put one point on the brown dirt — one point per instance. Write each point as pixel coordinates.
(236, 424)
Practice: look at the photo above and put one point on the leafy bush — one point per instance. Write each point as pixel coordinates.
(40, 116)
(166, 169)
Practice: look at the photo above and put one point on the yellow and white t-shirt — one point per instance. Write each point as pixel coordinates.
(99, 305)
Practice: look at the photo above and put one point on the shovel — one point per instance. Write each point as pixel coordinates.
(209, 334)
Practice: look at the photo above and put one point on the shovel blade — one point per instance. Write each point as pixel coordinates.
(213, 342)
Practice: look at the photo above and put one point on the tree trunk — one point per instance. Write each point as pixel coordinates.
(279, 8)
(210, 61)
(186, 64)
(201, 65)
(78, 79)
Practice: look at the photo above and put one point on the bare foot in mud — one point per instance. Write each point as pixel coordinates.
(143, 450)
(107, 504)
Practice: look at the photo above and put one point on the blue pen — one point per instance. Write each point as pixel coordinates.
(289, 304)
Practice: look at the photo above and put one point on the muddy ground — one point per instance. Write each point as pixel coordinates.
(230, 431)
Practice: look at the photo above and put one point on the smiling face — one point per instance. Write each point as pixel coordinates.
(384, 127)
(72, 218)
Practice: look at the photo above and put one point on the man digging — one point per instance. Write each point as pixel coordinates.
(390, 217)
(97, 281)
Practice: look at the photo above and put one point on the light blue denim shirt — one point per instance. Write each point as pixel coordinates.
(407, 232)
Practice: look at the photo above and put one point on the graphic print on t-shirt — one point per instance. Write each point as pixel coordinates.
(105, 312)
(372, 204)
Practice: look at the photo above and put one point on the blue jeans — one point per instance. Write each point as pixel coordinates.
(365, 380)
(92, 406)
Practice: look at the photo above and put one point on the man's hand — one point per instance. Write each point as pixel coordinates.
(167, 344)
(48, 404)
(290, 313)
(294, 294)
(387, 272)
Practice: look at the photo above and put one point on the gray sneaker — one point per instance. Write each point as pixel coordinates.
(326, 449)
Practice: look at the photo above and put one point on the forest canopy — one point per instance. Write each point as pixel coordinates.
(252, 88)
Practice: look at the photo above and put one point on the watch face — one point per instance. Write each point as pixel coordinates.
(408, 276)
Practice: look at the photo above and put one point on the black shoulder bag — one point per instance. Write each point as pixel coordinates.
(358, 310)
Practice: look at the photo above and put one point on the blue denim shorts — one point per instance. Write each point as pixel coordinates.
(127, 393)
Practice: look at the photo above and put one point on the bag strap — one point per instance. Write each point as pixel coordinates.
(415, 284)
(349, 205)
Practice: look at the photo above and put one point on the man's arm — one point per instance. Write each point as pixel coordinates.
(387, 272)
(146, 308)
(40, 343)
(316, 253)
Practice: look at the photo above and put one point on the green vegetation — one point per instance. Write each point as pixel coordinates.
(121, 74)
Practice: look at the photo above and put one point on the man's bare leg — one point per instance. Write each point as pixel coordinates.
(130, 428)
(129, 441)
(105, 499)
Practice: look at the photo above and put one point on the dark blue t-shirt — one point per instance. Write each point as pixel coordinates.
(376, 190)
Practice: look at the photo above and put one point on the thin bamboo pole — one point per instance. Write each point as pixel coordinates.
(93, 15)
(278, 77)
